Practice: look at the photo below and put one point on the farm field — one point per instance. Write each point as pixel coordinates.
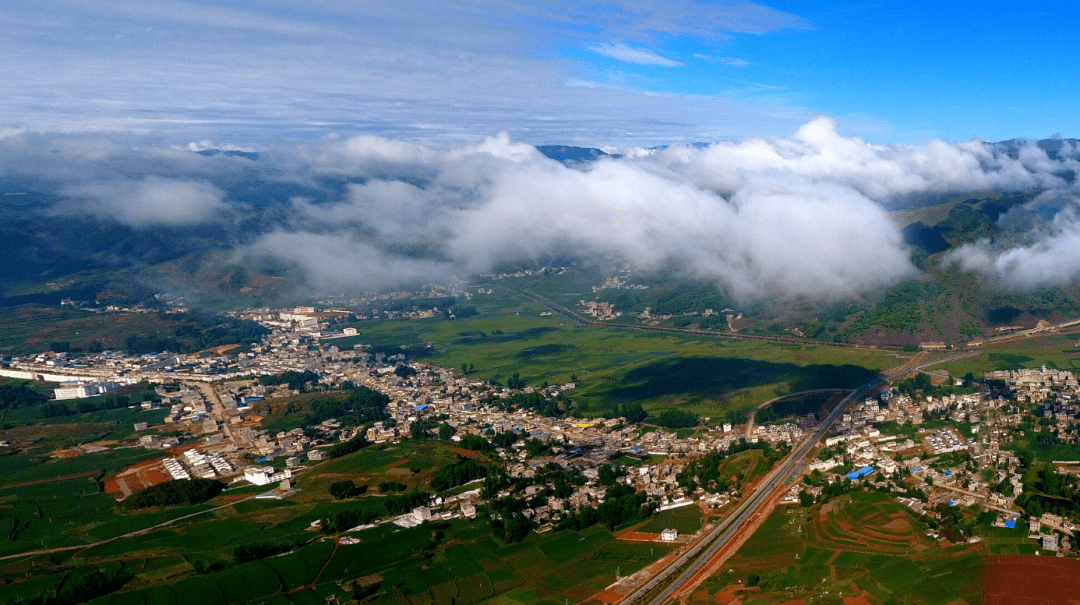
(195, 561)
(862, 544)
(685, 519)
(710, 376)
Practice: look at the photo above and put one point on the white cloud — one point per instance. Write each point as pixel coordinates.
(434, 71)
(734, 62)
(640, 56)
(796, 216)
(148, 201)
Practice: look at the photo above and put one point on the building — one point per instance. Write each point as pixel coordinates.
(862, 472)
(421, 514)
(259, 475)
(349, 332)
(1050, 542)
(82, 391)
(669, 535)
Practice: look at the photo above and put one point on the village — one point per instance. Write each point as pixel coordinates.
(952, 448)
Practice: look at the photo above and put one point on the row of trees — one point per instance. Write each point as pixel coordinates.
(183, 491)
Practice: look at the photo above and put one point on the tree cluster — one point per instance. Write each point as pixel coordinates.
(197, 333)
(342, 490)
(458, 473)
(20, 396)
(360, 406)
(348, 447)
(622, 504)
(676, 419)
(183, 491)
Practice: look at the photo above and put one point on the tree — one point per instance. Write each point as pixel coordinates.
(806, 499)
(341, 490)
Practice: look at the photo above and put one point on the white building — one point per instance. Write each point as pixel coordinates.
(669, 535)
(259, 475)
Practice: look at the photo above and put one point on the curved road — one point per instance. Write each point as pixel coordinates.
(719, 537)
(753, 412)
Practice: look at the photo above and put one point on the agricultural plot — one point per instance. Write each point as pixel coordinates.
(706, 375)
(860, 544)
(750, 466)
(685, 519)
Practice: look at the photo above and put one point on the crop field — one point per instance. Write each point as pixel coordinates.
(685, 519)
(543, 569)
(861, 544)
(1057, 351)
(410, 462)
(706, 375)
(32, 328)
(194, 561)
(1013, 580)
(749, 466)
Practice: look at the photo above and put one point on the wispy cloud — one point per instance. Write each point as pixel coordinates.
(732, 61)
(222, 70)
(639, 56)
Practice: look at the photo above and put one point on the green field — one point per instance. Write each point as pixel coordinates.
(193, 561)
(862, 540)
(685, 519)
(710, 376)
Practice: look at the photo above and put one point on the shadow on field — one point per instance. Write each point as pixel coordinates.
(498, 336)
(713, 376)
(532, 353)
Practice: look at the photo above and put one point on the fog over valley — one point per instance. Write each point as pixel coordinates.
(806, 215)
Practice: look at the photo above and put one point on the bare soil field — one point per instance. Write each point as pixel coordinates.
(1031, 580)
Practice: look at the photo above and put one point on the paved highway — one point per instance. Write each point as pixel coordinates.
(752, 504)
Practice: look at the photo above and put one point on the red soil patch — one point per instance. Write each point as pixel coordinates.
(134, 478)
(898, 525)
(835, 554)
(399, 463)
(971, 549)
(1030, 580)
(844, 525)
(795, 602)
(465, 452)
(610, 596)
(897, 515)
(637, 536)
(857, 601)
(727, 595)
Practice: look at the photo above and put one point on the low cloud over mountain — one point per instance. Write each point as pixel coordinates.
(805, 215)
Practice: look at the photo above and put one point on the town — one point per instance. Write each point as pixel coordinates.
(930, 446)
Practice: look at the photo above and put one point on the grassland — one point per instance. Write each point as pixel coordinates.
(32, 328)
(860, 544)
(685, 519)
(710, 376)
(192, 561)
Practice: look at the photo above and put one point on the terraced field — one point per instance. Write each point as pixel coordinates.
(862, 545)
(867, 526)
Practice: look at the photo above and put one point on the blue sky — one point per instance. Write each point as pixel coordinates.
(607, 73)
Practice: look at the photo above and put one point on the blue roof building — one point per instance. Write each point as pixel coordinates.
(862, 472)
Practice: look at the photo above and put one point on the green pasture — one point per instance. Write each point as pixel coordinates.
(685, 519)
(749, 466)
(707, 375)
(1057, 351)
(857, 541)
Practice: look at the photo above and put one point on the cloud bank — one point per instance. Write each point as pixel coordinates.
(794, 217)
